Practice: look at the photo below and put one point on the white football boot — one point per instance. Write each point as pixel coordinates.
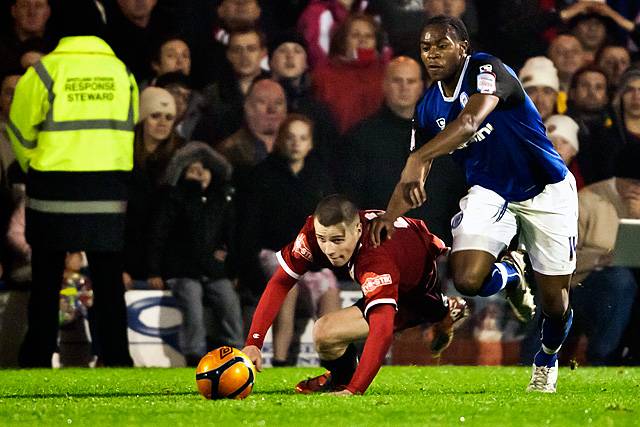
(519, 297)
(544, 379)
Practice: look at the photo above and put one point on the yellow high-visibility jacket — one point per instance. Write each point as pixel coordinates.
(71, 126)
(75, 110)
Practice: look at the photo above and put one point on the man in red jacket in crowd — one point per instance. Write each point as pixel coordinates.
(399, 281)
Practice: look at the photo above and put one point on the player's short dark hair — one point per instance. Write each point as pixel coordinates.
(452, 22)
(335, 209)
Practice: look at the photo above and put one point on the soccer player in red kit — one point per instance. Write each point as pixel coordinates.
(399, 281)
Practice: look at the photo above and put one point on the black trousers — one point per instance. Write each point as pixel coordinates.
(109, 310)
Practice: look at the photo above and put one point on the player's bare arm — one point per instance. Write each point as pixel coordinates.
(406, 195)
(409, 192)
(457, 133)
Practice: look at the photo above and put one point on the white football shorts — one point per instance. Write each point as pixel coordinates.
(548, 225)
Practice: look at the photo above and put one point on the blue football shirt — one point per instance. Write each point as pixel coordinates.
(510, 153)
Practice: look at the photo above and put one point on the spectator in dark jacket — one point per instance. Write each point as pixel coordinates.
(288, 185)
(191, 245)
(155, 143)
(626, 122)
(289, 66)
(29, 23)
(224, 98)
(133, 30)
(588, 104)
(378, 147)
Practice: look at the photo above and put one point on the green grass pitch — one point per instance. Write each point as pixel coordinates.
(408, 396)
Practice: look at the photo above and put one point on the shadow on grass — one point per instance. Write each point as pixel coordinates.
(283, 392)
(98, 395)
(378, 393)
(278, 392)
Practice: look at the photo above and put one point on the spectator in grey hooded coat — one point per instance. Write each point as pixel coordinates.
(191, 248)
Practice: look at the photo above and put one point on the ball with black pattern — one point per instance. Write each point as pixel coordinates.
(225, 373)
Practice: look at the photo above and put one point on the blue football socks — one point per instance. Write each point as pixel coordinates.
(554, 332)
(502, 274)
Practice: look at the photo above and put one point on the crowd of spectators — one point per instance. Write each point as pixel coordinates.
(252, 111)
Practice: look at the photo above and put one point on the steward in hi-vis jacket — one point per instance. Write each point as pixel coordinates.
(71, 127)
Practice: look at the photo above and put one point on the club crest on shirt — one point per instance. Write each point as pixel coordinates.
(486, 68)
(301, 249)
(441, 122)
(456, 220)
(373, 281)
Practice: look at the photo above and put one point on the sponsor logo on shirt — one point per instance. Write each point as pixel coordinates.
(480, 135)
(441, 122)
(301, 249)
(486, 83)
(373, 281)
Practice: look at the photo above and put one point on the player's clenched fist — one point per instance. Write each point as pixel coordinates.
(412, 181)
(254, 354)
(414, 194)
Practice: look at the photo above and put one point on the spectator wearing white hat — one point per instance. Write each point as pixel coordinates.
(539, 79)
(155, 143)
(563, 132)
(156, 139)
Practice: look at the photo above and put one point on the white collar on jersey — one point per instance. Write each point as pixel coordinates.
(458, 86)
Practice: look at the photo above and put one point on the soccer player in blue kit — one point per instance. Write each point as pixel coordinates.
(477, 110)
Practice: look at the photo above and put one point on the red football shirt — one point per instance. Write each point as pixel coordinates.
(396, 267)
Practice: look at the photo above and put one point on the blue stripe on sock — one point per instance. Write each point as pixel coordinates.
(502, 274)
(544, 359)
(553, 334)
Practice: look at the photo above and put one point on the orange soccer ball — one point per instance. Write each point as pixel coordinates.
(225, 372)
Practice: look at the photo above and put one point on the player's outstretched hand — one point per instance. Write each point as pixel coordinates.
(381, 229)
(254, 354)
